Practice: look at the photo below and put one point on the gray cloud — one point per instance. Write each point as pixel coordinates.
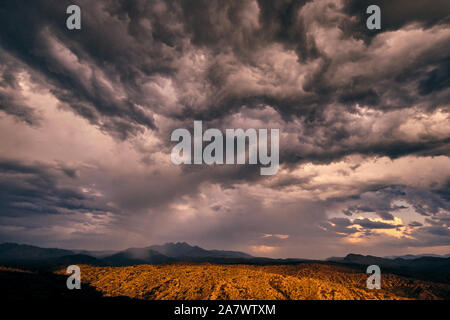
(33, 189)
(139, 69)
(11, 101)
(368, 224)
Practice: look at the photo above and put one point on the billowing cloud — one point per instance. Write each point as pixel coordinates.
(86, 117)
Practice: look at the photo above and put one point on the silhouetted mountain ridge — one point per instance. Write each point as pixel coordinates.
(416, 256)
(14, 251)
(20, 254)
(133, 256)
(435, 268)
(182, 249)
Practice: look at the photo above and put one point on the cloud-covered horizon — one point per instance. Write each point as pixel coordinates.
(86, 117)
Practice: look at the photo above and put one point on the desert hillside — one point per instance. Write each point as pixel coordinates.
(209, 281)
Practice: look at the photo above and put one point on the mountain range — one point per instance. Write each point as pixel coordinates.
(415, 256)
(20, 255)
(425, 267)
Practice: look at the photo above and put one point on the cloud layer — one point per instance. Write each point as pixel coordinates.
(86, 118)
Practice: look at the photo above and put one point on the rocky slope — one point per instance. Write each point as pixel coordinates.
(208, 281)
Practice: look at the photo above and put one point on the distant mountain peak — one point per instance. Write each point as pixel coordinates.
(179, 244)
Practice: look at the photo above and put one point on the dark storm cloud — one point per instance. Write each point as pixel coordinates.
(368, 224)
(381, 201)
(428, 236)
(13, 105)
(344, 226)
(11, 101)
(224, 25)
(444, 191)
(43, 35)
(29, 189)
(437, 79)
(381, 207)
(339, 142)
(339, 225)
(129, 43)
(415, 224)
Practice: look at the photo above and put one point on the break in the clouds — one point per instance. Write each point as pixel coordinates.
(86, 117)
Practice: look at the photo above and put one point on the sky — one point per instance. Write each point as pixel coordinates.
(86, 117)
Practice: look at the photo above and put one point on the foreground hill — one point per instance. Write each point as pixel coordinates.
(225, 282)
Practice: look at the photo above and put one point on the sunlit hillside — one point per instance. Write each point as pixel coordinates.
(208, 281)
